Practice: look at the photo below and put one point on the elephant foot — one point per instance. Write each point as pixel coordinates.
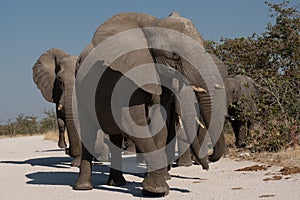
(76, 161)
(155, 185)
(139, 158)
(167, 176)
(116, 178)
(102, 158)
(214, 158)
(240, 145)
(83, 184)
(204, 164)
(62, 144)
(129, 150)
(184, 161)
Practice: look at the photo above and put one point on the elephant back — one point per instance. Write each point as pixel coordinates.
(182, 25)
(45, 69)
(122, 22)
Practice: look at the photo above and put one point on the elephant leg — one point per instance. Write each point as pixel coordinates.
(84, 181)
(219, 148)
(244, 133)
(185, 159)
(154, 184)
(168, 101)
(237, 127)
(129, 147)
(160, 139)
(203, 139)
(101, 149)
(116, 177)
(61, 128)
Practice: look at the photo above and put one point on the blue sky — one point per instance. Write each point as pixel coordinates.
(28, 28)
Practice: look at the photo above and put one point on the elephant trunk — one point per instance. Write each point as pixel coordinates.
(211, 106)
(74, 140)
(197, 152)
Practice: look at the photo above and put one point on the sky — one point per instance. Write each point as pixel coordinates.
(29, 28)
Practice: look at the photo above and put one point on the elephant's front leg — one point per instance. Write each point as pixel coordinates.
(61, 128)
(237, 127)
(84, 181)
(154, 183)
(116, 177)
(185, 158)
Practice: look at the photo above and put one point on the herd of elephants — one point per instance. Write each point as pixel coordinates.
(55, 74)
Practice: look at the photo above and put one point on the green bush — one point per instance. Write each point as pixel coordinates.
(29, 125)
(272, 59)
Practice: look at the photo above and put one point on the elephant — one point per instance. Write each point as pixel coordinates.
(54, 75)
(241, 93)
(124, 44)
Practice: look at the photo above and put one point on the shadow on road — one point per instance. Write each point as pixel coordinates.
(100, 175)
(57, 162)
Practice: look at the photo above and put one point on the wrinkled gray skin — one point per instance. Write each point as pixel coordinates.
(143, 98)
(240, 89)
(54, 75)
(220, 147)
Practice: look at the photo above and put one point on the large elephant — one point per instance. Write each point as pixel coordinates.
(241, 93)
(164, 49)
(54, 75)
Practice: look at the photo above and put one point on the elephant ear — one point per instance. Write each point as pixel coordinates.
(83, 56)
(124, 45)
(45, 69)
(221, 66)
(246, 101)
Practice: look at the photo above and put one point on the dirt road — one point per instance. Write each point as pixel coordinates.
(33, 168)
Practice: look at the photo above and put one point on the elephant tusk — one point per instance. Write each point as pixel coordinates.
(180, 121)
(198, 89)
(60, 106)
(218, 86)
(198, 121)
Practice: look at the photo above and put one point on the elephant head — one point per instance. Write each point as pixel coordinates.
(207, 83)
(54, 75)
(239, 88)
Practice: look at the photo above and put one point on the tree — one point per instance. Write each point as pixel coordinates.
(272, 59)
(49, 122)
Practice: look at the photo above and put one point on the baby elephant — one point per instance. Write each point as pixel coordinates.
(240, 93)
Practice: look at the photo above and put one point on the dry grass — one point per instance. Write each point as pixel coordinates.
(53, 135)
(18, 135)
(229, 139)
(289, 157)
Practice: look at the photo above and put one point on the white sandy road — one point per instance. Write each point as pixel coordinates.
(32, 168)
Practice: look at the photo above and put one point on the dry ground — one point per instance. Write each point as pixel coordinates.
(34, 168)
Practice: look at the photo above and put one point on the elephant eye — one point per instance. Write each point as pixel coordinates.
(61, 83)
(176, 56)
